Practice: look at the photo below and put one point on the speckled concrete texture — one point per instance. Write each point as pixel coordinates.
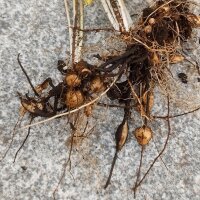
(38, 30)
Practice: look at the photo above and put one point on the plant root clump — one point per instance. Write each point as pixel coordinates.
(152, 46)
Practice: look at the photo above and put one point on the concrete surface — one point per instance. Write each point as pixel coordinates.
(37, 30)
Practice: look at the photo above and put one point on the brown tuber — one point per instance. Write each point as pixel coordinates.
(152, 21)
(74, 98)
(143, 135)
(97, 85)
(148, 29)
(72, 80)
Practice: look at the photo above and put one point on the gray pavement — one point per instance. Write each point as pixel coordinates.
(38, 30)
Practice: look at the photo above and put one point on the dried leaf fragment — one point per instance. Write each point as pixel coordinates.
(39, 88)
(30, 106)
(22, 111)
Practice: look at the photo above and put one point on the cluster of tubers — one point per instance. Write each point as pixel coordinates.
(82, 84)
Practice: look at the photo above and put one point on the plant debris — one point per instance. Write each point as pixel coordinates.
(153, 44)
(183, 77)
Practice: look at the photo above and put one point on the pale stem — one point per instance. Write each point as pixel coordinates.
(69, 24)
(110, 13)
(125, 15)
(80, 33)
(74, 36)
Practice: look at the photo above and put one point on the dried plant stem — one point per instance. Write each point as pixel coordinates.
(27, 77)
(77, 33)
(110, 13)
(161, 157)
(95, 29)
(161, 152)
(67, 161)
(125, 15)
(12, 138)
(178, 115)
(29, 130)
(80, 33)
(134, 93)
(139, 41)
(139, 170)
(114, 105)
(75, 125)
(69, 24)
(111, 170)
(74, 35)
(117, 14)
(138, 99)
